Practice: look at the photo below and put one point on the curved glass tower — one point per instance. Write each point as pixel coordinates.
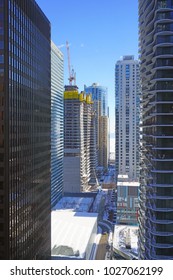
(156, 191)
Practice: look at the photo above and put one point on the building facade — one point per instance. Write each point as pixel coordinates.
(103, 141)
(127, 117)
(57, 123)
(156, 191)
(99, 96)
(127, 201)
(25, 123)
(99, 93)
(78, 112)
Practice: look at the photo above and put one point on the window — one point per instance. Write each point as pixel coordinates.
(162, 4)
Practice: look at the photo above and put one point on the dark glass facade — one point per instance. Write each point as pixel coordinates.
(25, 120)
(156, 190)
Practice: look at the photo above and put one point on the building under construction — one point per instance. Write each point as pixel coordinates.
(78, 132)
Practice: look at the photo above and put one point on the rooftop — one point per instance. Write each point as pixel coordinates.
(128, 57)
(126, 240)
(70, 233)
(129, 184)
(123, 176)
(74, 203)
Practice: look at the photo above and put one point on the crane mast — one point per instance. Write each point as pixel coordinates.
(72, 74)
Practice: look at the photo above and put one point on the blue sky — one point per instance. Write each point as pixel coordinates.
(99, 32)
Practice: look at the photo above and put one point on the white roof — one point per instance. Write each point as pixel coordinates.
(119, 241)
(70, 232)
(78, 204)
(129, 184)
(123, 176)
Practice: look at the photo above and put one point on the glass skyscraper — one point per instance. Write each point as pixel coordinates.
(100, 96)
(99, 93)
(25, 123)
(156, 190)
(57, 123)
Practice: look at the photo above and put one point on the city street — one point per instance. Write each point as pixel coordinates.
(101, 251)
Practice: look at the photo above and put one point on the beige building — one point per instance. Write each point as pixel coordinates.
(127, 109)
(103, 141)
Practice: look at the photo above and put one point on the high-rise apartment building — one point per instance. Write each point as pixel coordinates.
(78, 113)
(127, 117)
(156, 190)
(103, 141)
(93, 150)
(25, 123)
(57, 123)
(99, 96)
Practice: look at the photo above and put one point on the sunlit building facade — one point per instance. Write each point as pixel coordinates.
(57, 123)
(127, 117)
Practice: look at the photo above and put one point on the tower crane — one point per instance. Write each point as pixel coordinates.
(72, 74)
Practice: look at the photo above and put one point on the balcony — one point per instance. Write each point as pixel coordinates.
(162, 197)
(161, 171)
(150, 215)
(160, 233)
(163, 159)
(162, 245)
(152, 221)
(153, 256)
(161, 185)
(153, 207)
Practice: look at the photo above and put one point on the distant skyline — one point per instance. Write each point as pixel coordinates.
(99, 33)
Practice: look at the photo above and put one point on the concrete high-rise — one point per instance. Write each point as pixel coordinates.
(57, 123)
(103, 141)
(156, 190)
(78, 112)
(99, 96)
(25, 124)
(127, 117)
